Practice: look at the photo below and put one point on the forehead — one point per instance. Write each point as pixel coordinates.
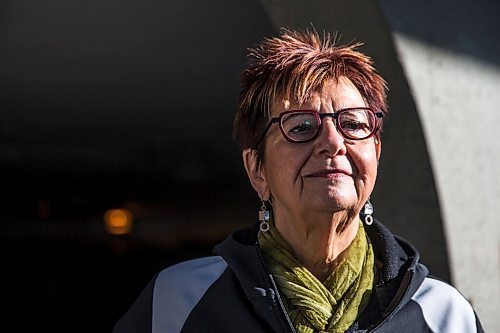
(331, 96)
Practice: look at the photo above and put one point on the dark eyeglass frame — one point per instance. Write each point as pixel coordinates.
(319, 117)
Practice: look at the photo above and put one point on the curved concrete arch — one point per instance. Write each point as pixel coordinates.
(454, 73)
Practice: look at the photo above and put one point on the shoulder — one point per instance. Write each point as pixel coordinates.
(170, 297)
(444, 308)
(200, 272)
(178, 289)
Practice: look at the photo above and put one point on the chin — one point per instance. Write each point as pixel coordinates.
(343, 199)
(331, 200)
(335, 204)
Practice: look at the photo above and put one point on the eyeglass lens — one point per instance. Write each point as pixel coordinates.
(354, 124)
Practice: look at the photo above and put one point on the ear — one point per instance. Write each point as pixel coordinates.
(378, 148)
(255, 173)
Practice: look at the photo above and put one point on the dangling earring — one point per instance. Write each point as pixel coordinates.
(264, 216)
(367, 212)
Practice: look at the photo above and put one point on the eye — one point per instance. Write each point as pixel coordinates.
(353, 125)
(356, 123)
(301, 128)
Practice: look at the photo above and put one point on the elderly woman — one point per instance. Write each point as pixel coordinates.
(309, 123)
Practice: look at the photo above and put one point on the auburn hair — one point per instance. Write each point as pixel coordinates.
(292, 66)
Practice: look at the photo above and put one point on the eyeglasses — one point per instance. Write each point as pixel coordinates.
(301, 126)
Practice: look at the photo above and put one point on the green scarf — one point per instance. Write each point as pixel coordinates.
(331, 306)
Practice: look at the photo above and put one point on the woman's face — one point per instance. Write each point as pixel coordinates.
(327, 175)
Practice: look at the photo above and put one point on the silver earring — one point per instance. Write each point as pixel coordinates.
(367, 212)
(264, 216)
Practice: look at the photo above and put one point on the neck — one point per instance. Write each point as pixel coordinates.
(318, 242)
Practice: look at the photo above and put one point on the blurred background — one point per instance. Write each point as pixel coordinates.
(117, 157)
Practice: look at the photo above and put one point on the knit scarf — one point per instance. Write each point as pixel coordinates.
(313, 306)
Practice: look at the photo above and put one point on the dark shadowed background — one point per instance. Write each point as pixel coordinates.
(107, 105)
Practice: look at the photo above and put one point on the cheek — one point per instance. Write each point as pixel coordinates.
(365, 162)
(283, 167)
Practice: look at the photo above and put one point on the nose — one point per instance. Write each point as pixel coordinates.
(329, 140)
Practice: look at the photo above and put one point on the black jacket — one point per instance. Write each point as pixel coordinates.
(233, 292)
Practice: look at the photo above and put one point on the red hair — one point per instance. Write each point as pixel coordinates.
(293, 66)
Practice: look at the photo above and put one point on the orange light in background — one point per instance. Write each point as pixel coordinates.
(118, 221)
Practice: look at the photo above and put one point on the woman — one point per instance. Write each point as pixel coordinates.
(309, 123)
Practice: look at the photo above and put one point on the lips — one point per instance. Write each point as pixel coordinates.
(329, 173)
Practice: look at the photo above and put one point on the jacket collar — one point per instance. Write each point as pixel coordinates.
(241, 252)
(399, 275)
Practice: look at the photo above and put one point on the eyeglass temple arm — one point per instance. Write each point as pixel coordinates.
(271, 122)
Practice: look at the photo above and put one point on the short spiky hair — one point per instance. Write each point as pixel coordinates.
(293, 66)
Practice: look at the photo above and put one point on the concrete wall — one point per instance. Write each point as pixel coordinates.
(451, 57)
